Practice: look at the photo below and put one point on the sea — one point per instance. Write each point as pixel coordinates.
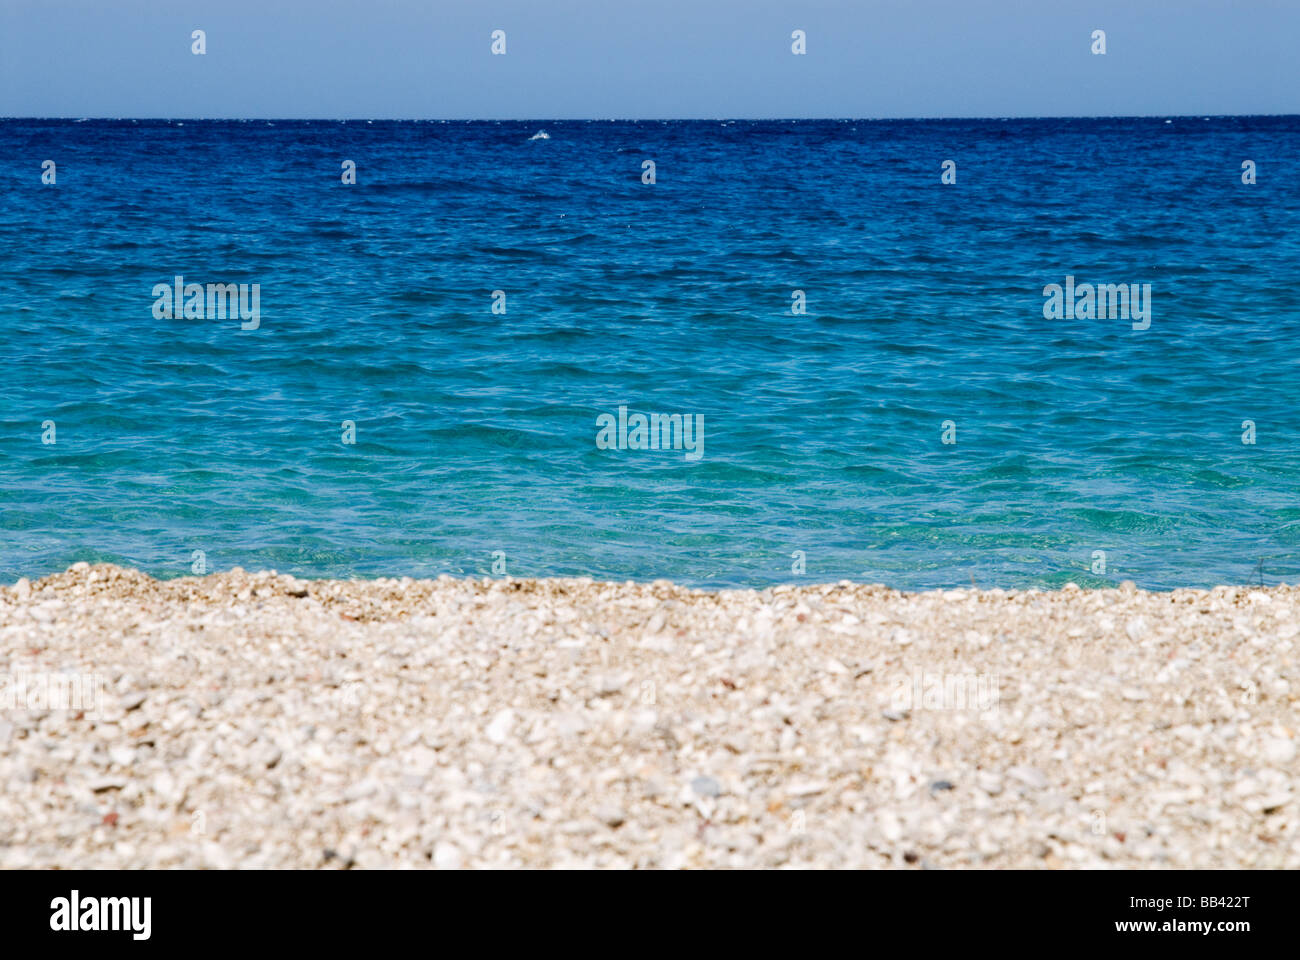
(879, 333)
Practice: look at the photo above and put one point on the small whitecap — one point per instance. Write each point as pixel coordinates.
(540, 135)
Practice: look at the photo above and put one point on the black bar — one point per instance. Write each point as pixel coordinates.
(920, 911)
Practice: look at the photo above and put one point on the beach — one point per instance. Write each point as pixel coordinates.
(255, 720)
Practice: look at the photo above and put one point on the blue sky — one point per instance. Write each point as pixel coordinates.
(659, 58)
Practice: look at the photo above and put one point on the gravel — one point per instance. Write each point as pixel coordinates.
(258, 720)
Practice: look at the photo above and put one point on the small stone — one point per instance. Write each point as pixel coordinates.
(612, 817)
(889, 826)
(361, 790)
(706, 786)
(447, 856)
(609, 686)
(498, 731)
(215, 856)
(1279, 750)
(132, 701)
(1029, 776)
(371, 859)
(1274, 802)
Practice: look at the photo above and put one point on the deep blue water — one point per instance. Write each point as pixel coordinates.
(476, 432)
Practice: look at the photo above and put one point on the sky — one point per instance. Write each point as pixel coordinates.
(652, 59)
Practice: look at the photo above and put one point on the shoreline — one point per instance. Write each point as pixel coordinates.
(239, 574)
(258, 720)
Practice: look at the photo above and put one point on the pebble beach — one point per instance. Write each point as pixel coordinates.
(255, 720)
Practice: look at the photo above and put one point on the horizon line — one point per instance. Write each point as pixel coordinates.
(743, 119)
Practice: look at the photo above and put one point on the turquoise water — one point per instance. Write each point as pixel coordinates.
(476, 431)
